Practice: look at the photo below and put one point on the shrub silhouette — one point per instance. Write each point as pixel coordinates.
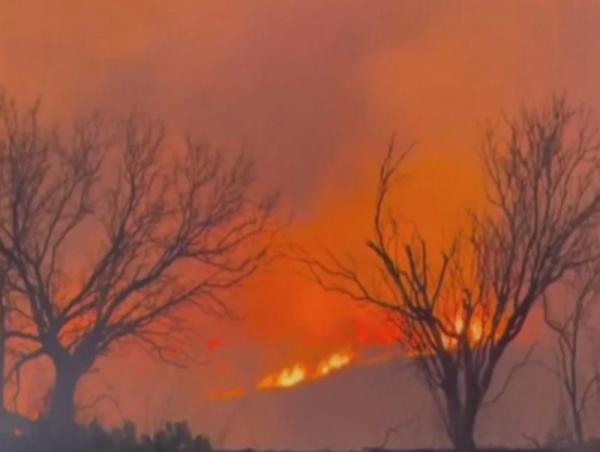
(174, 437)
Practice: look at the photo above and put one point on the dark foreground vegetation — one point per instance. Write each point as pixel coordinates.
(94, 438)
(590, 447)
(177, 437)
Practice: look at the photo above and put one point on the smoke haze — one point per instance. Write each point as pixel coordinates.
(314, 90)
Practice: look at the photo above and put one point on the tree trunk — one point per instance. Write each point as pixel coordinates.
(464, 440)
(5, 425)
(61, 412)
(461, 422)
(2, 353)
(577, 425)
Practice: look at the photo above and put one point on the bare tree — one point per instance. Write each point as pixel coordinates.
(10, 421)
(111, 232)
(457, 313)
(582, 292)
(3, 351)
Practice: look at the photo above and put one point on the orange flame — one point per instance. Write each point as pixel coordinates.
(334, 362)
(287, 377)
(291, 376)
(297, 373)
(475, 332)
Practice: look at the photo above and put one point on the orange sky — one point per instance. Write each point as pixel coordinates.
(315, 90)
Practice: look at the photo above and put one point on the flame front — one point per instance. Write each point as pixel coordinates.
(334, 362)
(290, 376)
(298, 372)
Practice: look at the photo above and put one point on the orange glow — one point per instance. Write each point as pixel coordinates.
(459, 324)
(476, 330)
(227, 394)
(449, 341)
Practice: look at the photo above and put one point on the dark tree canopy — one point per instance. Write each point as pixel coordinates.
(457, 311)
(108, 231)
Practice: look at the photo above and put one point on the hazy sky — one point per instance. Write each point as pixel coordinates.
(315, 90)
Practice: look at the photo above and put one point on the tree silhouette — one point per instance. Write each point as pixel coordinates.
(110, 231)
(457, 313)
(582, 292)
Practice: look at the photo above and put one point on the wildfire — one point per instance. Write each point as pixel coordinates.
(298, 372)
(475, 332)
(291, 376)
(287, 377)
(334, 362)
